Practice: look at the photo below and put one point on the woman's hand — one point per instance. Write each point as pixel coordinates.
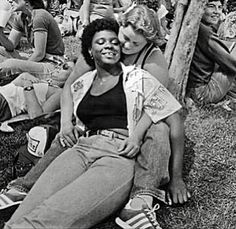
(130, 147)
(69, 134)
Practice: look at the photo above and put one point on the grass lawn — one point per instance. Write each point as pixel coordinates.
(209, 167)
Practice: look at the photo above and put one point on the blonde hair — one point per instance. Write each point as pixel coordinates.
(145, 21)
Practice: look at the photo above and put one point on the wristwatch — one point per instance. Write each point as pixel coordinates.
(28, 88)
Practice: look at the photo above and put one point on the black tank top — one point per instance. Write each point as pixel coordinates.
(105, 111)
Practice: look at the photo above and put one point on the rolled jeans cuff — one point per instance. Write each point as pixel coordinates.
(158, 194)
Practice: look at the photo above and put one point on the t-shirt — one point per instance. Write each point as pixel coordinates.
(209, 52)
(41, 21)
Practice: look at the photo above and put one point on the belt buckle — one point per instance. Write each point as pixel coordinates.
(108, 133)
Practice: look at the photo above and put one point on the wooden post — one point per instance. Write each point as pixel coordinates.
(179, 15)
(181, 45)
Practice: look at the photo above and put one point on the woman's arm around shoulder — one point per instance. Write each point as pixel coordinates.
(157, 66)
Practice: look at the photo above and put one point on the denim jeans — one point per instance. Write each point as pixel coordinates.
(15, 63)
(151, 167)
(81, 187)
(218, 87)
(42, 70)
(152, 164)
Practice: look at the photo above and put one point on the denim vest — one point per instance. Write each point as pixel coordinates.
(143, 93)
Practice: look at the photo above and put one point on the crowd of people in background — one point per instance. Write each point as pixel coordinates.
(120, 146)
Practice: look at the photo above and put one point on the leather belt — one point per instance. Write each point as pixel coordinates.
(107, 133)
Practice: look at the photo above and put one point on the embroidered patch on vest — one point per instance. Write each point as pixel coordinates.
(78, 85)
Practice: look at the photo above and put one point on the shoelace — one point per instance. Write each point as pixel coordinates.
(152, 216)
(3, 191)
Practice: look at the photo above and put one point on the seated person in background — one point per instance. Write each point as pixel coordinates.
(42, 32)
(90, 181)
(53, 7)
(6, 17)
(27, 94)
(213, 69)
(94, 9)
(120, 6)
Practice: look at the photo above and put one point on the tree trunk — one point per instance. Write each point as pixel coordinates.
(181, 45)
(179, 15)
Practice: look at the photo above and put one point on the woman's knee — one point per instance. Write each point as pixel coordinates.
(159, 130)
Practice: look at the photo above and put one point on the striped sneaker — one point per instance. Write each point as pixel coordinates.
(144, 218)
(10, 198)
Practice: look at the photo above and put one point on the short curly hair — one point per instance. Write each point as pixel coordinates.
(89, 32)
(145, 21)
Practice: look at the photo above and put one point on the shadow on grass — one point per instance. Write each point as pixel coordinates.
(189, 155)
